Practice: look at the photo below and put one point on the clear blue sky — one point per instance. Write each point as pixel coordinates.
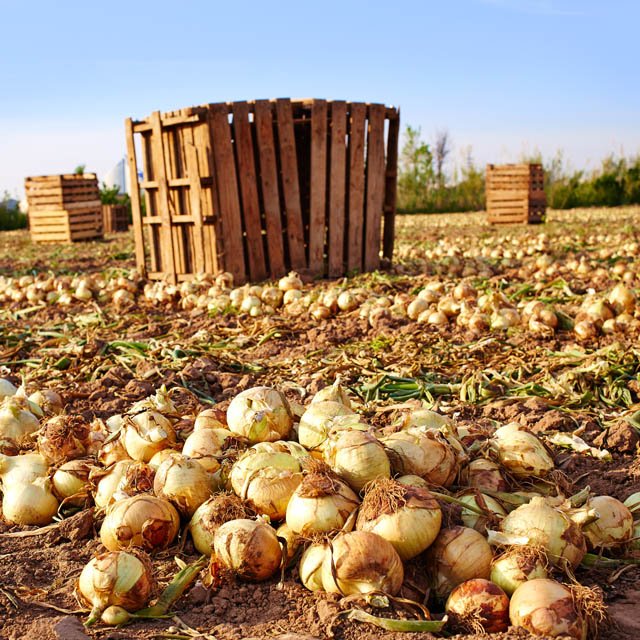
(503, 76)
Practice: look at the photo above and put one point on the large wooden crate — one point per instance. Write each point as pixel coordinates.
(114, 218)
(64, 208)
(259, 188)
(515, 193)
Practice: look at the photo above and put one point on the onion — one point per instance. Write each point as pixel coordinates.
(347, 301)
(250, 548)
(272, 296)
(517, 565)
(458, 554)
(479, 500)
(184, 483)
(417, 307)
(407, 517)
(310, 566)
(426, 419)
(357, 457)
(614, 526)
(7, 389)
(292, 281)
(114, 578)
(479, 605)
(321, 503)
(633, 502)
(15, 422)
(485, 474)
(293, 542)
(49, 401)
(260, 414)
(425, 454)
(361, 562)
(413, 481)
(140, 521)
(210, 419)
(217, 510)
(334, 393)
(64, 438)
(320, 419)
(520, 452)
(72, 478)
(549, 528)
(204, 445)
(162, 455)
(546, 608)
(107, 481)
(31, 503)
(147, 433)
(266, 480)
(22, 469)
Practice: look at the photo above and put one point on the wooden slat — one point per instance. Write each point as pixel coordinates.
(249, 190)
(269, 184)
(337, 179)
(391, 173)
(160, 175)
(290, 186)
(226, 180)
(195, 197)
(318, 187)
(375, 187)
(172, 195)
(358, 114)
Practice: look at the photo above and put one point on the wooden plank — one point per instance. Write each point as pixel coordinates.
(290, 186)
(390, 192)
(318, 186)
(172, 196)
(226, 180)
(337, 181)
(159, 173)
(249, 190)
(195, 196)
(357, 124)
(375, 187)
(269, 185)
(136, 211)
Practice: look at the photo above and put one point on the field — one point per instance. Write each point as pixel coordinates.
(484, 354)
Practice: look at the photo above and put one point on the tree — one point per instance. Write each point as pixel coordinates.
(416, 171)
(79, 170)
(442, 150)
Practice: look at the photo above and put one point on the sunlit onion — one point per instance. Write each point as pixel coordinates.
(479, 605)
(614, 525)
(260, 414)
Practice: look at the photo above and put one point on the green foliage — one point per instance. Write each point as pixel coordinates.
(110, 195)
(79, 170)
(10, 217)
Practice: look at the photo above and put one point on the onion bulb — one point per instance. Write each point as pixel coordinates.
(310, 566)
(517, 565)
(217, 510)
(520, 452)
(184, 483)
(204, 445)
(318, 421)
(479, 605)
(357, 457)
(622, 299)
(293, 542)
(335, 393)
(458, 554)
(488, 504)
(266, 480)
(361, 562)
(114, 578)
(140, 521)
(321, 503)
(485, 474)
(7, 388)
(250, 548)
(49, 401)
(147, 433)
(32, 503)
(614, 525)
(407, 517)
(260, 414)
(546, 608)
(15, 422)
(292, 281)
(22, 469)
(72, 478)
(210, 419)
(63, 438)
(549, 528)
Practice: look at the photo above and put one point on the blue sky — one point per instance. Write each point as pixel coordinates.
(502, 76)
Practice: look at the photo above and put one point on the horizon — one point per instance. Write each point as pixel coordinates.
(505, 78)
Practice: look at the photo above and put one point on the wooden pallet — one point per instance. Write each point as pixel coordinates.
(515, 194)
(61, 225)
(114, 218)
(62, 191)
(259, 188)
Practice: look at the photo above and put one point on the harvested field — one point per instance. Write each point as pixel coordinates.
(483, 354)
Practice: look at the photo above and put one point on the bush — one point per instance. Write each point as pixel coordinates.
(11, 218)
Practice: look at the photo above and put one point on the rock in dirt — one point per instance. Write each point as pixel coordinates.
(74, 528)
(620, 437)
(70, 628)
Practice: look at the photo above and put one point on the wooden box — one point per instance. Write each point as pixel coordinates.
(515, 193)
(64, 208)
(114, 218)
(259, 188)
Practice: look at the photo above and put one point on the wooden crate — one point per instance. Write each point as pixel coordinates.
(63, 225)
(64, 208)
(259, 188)
(515, 193)
(114, 218)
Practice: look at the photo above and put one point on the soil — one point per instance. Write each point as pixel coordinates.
(212, 359)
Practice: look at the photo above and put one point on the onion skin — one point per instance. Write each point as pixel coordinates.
(614, 526)
(260, 414)
(140, 521)
(511, 570)
(521, 453)
(250, 548)
(64, 438)
(546, 608)
(458, 554)
(363, 562)
(482, 600)
(310, 566)
(29, 503)
(484, 474)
